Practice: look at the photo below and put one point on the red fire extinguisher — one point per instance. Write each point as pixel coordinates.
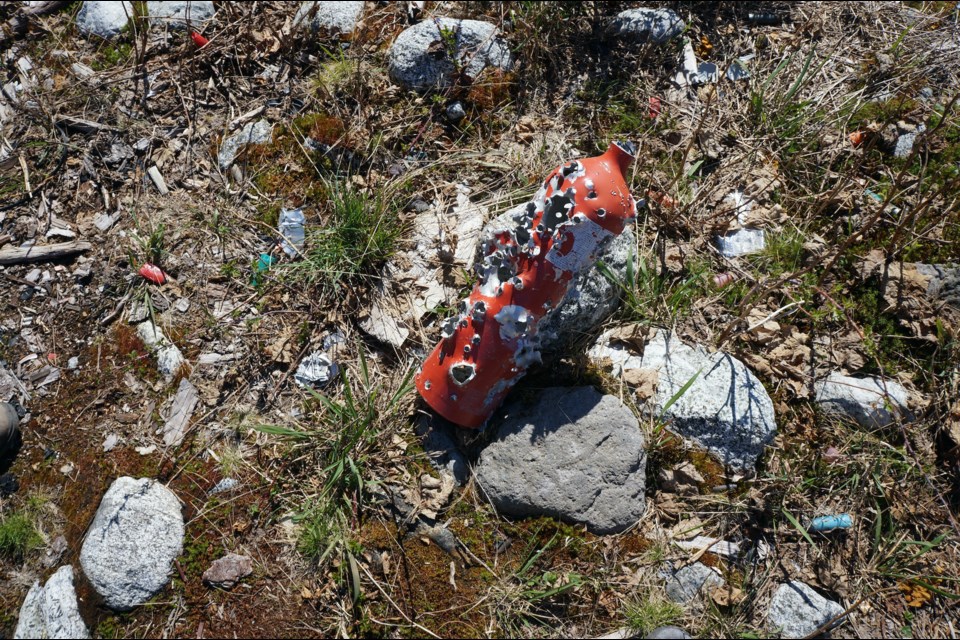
(525, 273)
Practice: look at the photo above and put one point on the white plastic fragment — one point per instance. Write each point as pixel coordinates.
(316, 370)
(291, 230)
(691, 73)
(157, 178)
(712, 545)
(738, 70)
(745, 240)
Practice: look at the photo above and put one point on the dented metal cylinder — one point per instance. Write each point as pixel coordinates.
(525, 273)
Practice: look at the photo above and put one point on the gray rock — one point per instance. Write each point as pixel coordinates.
(684, 584)
(592, 297)
(572, 453)
(725, 410)
(944, 282)
(422, 59)
(870, 401)
(668, 632)
(178, 15)
(104, 19)
(51, 611)
(455, 112)
(9, 427)
(329, 17)
(130, 547)
(797, 610)
(259, 132)
(741, 242)
(647, 25)
(904, 145)
(227, 571)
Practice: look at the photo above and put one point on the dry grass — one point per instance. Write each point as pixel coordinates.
(337, 557)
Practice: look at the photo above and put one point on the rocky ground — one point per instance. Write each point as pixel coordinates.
(231, 232)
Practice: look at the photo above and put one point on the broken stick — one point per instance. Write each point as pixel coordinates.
(44, 253)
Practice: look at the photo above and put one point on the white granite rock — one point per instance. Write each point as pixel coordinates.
(796, 610)
(331, 18)
(259, 132)
(725, 409)
(104, 19)
(426, 55)
(870, 401)
(51, 611)
(647, 25)
(180, 14)
(130, 547)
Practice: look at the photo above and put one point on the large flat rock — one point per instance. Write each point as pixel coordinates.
(572, 453)
(725, 410)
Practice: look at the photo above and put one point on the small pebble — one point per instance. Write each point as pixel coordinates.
(456, 112)
(224, 485)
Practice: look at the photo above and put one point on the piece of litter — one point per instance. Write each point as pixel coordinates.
(224, 485)
(315, 370)
(737, 71)
(152, 273)
(264, 262)
(145, 451)
(158, 180)
(110, 442)
(73, 363)
(712, 545)
(823, 524)
(291, 229)
(692, 73)
(67, 469)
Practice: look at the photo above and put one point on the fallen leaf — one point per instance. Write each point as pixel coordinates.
(727, 596)
(644, 382)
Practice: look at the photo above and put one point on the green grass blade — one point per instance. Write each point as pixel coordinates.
(276, 430)
(799, 527)
(679, 393)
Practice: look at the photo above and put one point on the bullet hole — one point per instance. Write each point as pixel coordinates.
(479, 312)
(517, 283)
(462, 373)
(522, 235)
(601, 212)
(466, 349)
(427, 385)
(449, 327)
(571, 168)
(475, 340)
(557, 209)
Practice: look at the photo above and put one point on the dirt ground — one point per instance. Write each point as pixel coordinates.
(332, 553)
